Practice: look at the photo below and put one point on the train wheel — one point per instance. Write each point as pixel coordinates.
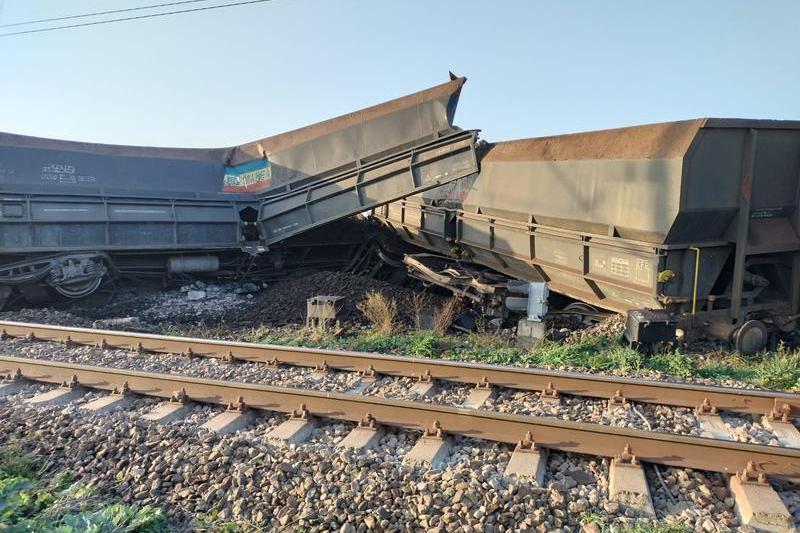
(751, 337)
(79, 289)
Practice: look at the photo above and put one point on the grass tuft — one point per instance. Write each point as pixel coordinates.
(445, 315)
(29, 503)
(16, 462)
(780, 370)
(660, 527)
(381, 311)
(423, 344)
(657, 528)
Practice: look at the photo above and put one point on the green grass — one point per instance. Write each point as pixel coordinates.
(211, 522)
(658, 528)
(775, 370)
(30, 502)
(15, 462)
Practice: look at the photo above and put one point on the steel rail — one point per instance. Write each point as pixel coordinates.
(575, 437)
(691, 395)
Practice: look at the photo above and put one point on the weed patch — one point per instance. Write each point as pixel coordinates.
(445, 315)
(779, 371)
(381, 311)
(29, 503)
(658, 528)
(775, 370)
(423, 344)
(212, 522)
(16, 462)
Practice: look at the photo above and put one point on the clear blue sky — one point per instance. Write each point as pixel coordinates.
(535, 68)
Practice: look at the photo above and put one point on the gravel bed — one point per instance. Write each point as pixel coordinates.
(46, 315)
(790, 494)
(315, 486)
(667, 419)
(202, 367)
(445, 393)
(700, 500)
(748, 428)
(660, 418)
(230, 305)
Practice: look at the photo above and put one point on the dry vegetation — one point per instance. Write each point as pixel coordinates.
(417, 304)
(445, 314)
(381, 311)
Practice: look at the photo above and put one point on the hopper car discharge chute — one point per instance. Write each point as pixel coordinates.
(71, 212)
(693, 224)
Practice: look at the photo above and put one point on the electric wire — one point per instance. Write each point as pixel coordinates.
(99, 13)
(138, 17)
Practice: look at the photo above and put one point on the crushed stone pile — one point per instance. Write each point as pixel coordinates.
(46, 315)
(285, 302)
(611, 327)
(232, 306)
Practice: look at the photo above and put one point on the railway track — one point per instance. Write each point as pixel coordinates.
(751, 401)
(673, 450)
(751, 464)
(748, 465)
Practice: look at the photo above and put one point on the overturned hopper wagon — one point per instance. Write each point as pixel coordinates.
(71, 213)
(697, 220)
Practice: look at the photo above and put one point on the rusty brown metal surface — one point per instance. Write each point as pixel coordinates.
(651, 141)
(278, 142)
(534, 379)
(598, 215)
(653, 447)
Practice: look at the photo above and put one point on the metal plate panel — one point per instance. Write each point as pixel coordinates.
(142, 211)
(68, 211)
(560, 252)
(621, 266)
(72, 236)
(145, 234)
(402, 174)
(207, 234)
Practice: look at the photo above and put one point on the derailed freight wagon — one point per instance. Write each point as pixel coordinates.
(72, 213)
(696, 219)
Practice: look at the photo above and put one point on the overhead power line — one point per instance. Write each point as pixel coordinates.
(99, 13)
(138, 17)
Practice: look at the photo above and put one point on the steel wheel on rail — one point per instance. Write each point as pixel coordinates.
(79, 289)
(751, 337)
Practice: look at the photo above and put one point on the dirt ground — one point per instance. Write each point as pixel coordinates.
(229, 307)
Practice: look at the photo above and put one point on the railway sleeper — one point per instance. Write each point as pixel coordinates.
(62, 395)
(711, 424)
(365, 436)
(786, 432)
(176, 408)
(119, 398)
(528, 461)
(13, 384)
(478, 396)
(431, 449)
(236, 417)
(627, 484)
(296, 429)
(757, 503)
